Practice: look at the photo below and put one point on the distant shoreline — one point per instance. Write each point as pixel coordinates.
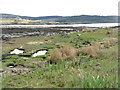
(103, 25)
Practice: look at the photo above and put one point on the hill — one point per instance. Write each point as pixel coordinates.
(67, 19)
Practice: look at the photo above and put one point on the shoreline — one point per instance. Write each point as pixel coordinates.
(102, 25)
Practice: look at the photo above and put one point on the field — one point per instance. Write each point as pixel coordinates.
(86, 59)
(17, 21)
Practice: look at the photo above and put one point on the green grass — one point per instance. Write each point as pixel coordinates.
(100, 72)
(99, 82)
(65, 74)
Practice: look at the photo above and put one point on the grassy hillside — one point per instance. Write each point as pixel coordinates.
(90, 19)
(67, 19)
(86, 59)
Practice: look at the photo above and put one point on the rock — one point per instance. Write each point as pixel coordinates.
(6, 38)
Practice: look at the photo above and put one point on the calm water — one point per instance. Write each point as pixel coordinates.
(70, 25)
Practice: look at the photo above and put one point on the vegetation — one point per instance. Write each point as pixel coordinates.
(15, 19)
(76, 60)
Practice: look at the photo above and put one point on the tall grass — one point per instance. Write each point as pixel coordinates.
(111, 32)
(108, 42)
(111, 53)
(92, 50)
(99, 82)
(69, 52)
(87, 30)
(64, 53)
(56, 55)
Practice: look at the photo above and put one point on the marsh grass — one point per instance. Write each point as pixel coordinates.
(99, 82)
(111, 53)
(64, 53)
(54, 75)
(69, 52)
(93, 51)
(65, 75)
(56, 56)
(99, 71)
(111, 32)
(108, 42)
(87, 30)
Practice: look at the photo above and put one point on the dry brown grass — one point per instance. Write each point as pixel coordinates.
(90, 50)
(87, 30)
(97, 45)
(64, 53)
(108, 42)
(111, 32)
(56, 55)
(68, 51)
(93, 50)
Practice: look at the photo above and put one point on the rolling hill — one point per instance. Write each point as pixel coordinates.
(67, 19)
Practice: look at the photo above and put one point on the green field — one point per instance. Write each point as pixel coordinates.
(69, 62)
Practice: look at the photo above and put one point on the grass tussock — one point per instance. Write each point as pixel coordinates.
(95, 49)
(69, 51)
(97, 45)
(64, 53)
(111, 32)
(92, 50)
(56, 55)
(108, 42)
(87, 30)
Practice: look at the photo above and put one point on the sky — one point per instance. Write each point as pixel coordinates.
(59, 7)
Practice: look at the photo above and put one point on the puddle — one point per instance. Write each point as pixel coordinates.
(39, 53)
(16, 51)
(11, 65)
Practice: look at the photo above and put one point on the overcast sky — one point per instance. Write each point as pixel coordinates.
(59, 7)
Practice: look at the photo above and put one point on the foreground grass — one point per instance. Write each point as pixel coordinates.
(68, 74)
